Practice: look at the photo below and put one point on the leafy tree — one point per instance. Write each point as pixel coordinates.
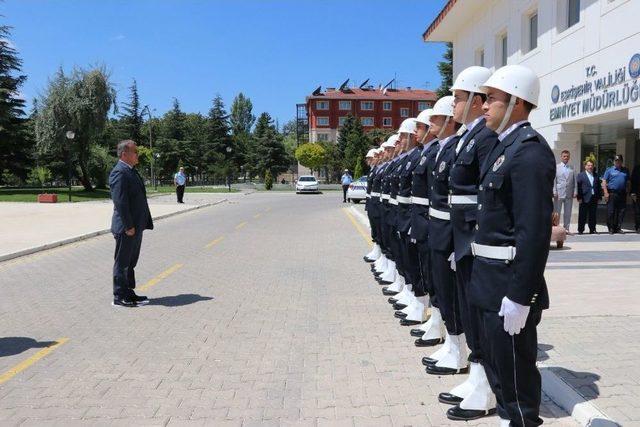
(268, 180)
(242, 118)
(359, 170)
(40, 176)
(131, 117)
(272, 156)
(345, 130)
(332, 164)
(78, 102)
(15, 144)
(311, 155)
(446, 72)
(357, 146)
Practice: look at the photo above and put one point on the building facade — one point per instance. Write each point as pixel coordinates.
(375, 108)
(586, 53)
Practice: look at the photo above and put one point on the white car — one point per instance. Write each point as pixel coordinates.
(357, 191)
(307, 184)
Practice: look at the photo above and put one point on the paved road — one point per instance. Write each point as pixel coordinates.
(262, 313)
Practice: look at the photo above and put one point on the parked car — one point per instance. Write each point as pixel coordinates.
(307, 184)
(357, 191)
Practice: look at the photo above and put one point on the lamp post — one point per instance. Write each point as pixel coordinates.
(153, 177)
(229, 150)
(70, 135)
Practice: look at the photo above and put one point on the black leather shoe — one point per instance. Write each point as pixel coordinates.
(138, 299)
(416, 332)
(392, 300)
(406, 322)
(440, 370)
(428, 343)
(368, 259)
(449, 399)
(458, 414)
(386, 291)
(399, 306)
(124, 302)
(385, 282)
(427, 361)
(399, 315)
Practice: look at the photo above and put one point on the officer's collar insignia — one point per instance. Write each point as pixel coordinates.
(462, 130)
(408, 164)
(498, 163)
(422, 160)
(443, 165)
(470, 145)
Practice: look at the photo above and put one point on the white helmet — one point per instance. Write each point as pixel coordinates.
(371, 153)
(424, 116)
(379, 150)
(443, 107)
(516, 80)
(472, 79)
(407, 126)
(391, 141)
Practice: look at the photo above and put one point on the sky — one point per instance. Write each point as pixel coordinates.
(274, 51)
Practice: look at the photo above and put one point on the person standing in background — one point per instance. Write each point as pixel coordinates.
(635, 190)
(564, 188)
(346, 180)
(180, 180)
(614, 185)
(588, 194)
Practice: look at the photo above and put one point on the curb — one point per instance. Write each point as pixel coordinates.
(86, 236)
(562, 394)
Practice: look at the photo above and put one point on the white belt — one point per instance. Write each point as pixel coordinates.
(368, 196)
(374, 194)
(505, 253)
(420, 201)
(470, 199)
(439, 214)
(393, 202)
(402, 199)
(385, 197)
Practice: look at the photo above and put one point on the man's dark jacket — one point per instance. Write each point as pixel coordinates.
(130, 208)
(584, 187)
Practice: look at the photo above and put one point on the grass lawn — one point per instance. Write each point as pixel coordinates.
(78, 194)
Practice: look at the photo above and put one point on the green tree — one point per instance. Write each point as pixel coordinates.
(241, 120)
(446, 72)
(333, 161)
(272, 156)
(78, 102)
(15, 144)
(357, 146)
(344, 131)
(311, 155)
(219, 162)
(131, 117)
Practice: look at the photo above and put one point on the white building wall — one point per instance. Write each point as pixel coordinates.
(606, 37)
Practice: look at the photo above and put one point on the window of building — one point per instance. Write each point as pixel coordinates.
(501, 50)
(480, 57)
(323, 137)
(341, 120)
(533, 31)
(573, 12)
(404, 112)
(322, 121)
(386, 105)
(423, 105)
(366, 121)
(366, 105)
(322, 105)
(386, 122)
(345, 105)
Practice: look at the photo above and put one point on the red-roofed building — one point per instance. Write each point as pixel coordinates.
(376, 108)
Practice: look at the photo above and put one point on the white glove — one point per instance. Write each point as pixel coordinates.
(452, 259)
(414, 241)
(515, 316)
(409, 232)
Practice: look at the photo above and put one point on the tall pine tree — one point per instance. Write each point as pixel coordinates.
(219, 162)
(272, 155)
(131, 117)
(446, 72)
(15, 145)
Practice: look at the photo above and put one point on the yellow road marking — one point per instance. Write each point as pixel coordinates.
(214, 242)
(30, 361)
(364, 235)
(258, 215)
(242, 224)
(168, 272)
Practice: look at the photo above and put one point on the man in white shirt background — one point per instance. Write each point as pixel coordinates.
(564, 188)
(180, 180)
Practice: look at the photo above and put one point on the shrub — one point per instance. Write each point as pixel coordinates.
(268, 180)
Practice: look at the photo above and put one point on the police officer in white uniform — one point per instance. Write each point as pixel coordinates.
(515, 203)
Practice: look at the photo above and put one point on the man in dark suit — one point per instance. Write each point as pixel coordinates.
(589, 193)
(130, 217)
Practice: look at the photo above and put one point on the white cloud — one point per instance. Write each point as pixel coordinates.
(118, 38)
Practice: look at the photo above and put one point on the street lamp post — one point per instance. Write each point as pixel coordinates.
(70, 135)
(153, 177)
(229, 150)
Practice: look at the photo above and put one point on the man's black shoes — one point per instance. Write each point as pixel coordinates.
(124, 302)
(428, 343)
(449, 399)
(458, 414)
(138, 299)
(441, 370)
(416, 333)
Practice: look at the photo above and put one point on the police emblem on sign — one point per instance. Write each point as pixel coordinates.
(498, 163)
(422, 160)
(470, 145)
(443, 165)
(634, 66)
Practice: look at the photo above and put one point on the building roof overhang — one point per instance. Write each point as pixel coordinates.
(454, 14)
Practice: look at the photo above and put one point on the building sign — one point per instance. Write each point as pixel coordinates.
(598, 93)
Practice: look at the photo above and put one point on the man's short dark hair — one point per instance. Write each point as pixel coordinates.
(124, 146)
(483, 96)
(565, 152)
(588, 161)
(528, 106)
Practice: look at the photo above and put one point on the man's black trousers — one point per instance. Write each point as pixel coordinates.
(636, 210)
(180, 192)
(344, 192)
(125, 260)
(424, 267)
(444, 283)
(468, 312)
(510, 364)
(587, 214)
(411, 264)
(615, 210)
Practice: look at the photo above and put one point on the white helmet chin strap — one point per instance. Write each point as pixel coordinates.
(444, 126)
(507, 115)
(467, 107)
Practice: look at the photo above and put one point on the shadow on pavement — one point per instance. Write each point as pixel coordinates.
(542, 351)
(11, 346)
(178, 300)
(584, 383)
